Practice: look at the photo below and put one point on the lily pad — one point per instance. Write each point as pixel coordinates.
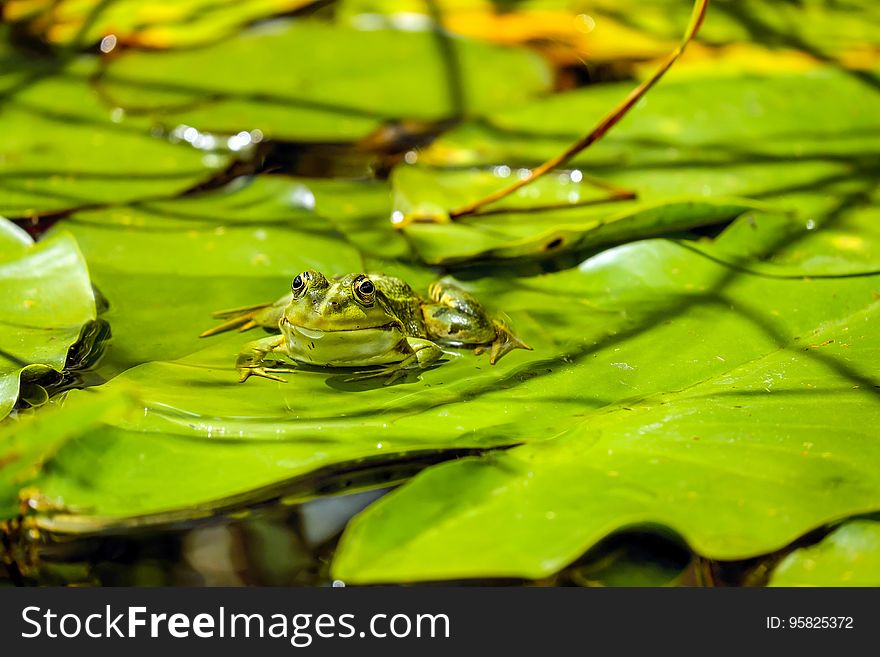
(62, 148)
(555, 214)
(716, 436)
(803, 144)
(350, 83)
(849, 556)
(28, 442)
(46, 302)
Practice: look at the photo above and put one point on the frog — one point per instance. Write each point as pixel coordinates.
(371, 322)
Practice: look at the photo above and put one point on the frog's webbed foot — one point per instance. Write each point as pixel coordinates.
(457, 317)
(505, 341)
(252, 360)
(264, 372)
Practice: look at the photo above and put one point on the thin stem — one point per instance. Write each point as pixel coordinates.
(610, 119)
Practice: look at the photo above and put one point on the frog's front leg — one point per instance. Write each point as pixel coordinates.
(250, 359)
(458, 318)
(418, 354)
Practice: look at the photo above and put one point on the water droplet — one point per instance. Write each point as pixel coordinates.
(239, 141)
(302, 197)
(523, 173)
(811, 225)
(397, 217)
(410, 157)
(584, 23)
(502, 171)
(576, 176)
(108, 43)
(117, 114)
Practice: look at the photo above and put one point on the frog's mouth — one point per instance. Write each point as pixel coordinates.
(317, 334)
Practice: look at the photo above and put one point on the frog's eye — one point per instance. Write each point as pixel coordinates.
(364, 290)
(299, 283)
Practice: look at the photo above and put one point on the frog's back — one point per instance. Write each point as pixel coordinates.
(401, 301)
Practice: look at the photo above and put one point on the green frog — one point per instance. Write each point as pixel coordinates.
(364, 321)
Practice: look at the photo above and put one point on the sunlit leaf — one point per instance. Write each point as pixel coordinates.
(62, 148)
(555, 214)
(349, 83)
(586, 33)
(805, 145)
(708, 424)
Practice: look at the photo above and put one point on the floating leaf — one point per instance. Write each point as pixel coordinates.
(715, 434)
(350, 82)
(28, 442)
(535, 221)
(62, 148)
(45, 301)
(848, 556)
(765, 138)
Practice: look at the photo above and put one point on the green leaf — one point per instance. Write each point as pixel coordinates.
(804, 145)
(45, 301)
(63, 149)
(698, 413)
(311, 81)
(786, 138)
(848, 556)
(535, 222)
(26, 443)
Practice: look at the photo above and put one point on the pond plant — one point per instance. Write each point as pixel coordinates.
(677, 284)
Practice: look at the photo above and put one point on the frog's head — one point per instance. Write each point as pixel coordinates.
(340, 321)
